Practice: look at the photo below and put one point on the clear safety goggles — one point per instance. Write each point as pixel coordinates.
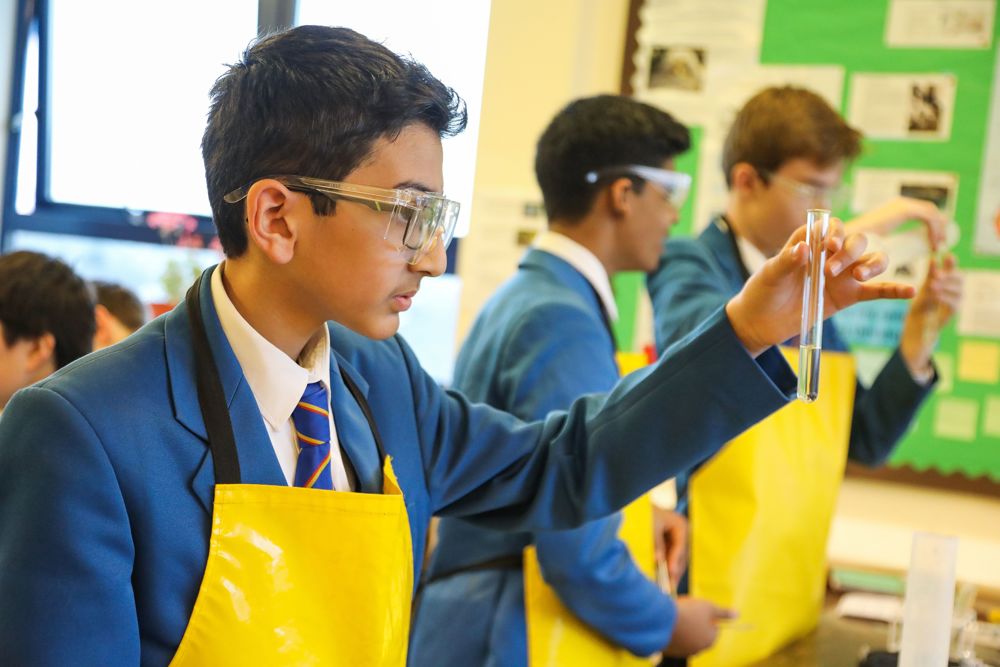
(674, 184)
(822, 197)
(417, 221)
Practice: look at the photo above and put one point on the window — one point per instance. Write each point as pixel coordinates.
(104, 164)
(110, 115)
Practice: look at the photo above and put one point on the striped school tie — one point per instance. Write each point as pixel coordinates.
(312, 433)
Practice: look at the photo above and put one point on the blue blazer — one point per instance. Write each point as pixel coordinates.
(538, 344)
(106, 484)
(697, 275)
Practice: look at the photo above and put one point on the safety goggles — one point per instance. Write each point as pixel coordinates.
(674, 184)
(417, 221)
(823, 197)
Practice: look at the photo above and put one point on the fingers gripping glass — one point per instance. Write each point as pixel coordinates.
(674, 184)
(417, 220)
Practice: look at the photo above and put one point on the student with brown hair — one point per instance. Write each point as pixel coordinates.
(760, 510)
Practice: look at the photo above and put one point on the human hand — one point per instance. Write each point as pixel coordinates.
(670, 534)
(767, 311)
(885, 218)
(936, 302)
(696, 626)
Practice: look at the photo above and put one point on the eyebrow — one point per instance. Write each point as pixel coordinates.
(818, 185)
(414, 185)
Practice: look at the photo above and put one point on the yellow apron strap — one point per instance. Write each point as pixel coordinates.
(556, 637)
(760, 515)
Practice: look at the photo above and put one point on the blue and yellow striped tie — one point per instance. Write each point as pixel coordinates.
(312, 433)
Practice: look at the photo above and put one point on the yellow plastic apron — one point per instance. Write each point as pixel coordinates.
(556, 637)
(760, 515)
(296, 576)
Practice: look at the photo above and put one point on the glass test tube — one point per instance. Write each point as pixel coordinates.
(811, 335)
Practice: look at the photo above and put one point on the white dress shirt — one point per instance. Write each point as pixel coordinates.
(752, 258)
(278, 382)
(584, 261)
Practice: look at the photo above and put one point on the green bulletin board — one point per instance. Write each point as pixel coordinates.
(852, 34)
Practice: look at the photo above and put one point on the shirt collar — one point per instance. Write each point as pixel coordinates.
(753, 259)
(276, 380)
(584, 261)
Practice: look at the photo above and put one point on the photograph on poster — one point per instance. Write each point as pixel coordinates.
(925, 108)
(677, 67)
(936, 194)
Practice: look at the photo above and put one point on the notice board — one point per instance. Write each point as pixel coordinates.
(921, 79)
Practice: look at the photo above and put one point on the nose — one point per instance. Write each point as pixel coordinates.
(673, 216)
(433, 262)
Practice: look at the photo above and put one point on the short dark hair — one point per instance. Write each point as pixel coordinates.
(121, 302)
(41, 294)
(312, 101)
(783, 123)
(594, 133)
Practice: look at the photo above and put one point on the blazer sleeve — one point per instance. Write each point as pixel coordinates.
(66, 549)
(593, 573)
(884, 411)
(554, 355)
(685, 290)
(607, 449)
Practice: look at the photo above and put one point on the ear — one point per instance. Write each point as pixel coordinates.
(102, 335)
(619, 196)
(41, 360)
(273, 214)
(744, 178)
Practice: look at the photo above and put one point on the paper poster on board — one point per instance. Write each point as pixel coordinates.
(873, 187)
(979, 312)
(684, 46)
(987, 238)
(914, 106)
(943, 24)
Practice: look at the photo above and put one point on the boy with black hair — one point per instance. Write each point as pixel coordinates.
(119, 313)
(785, 153)
(46, 319)
(186, 512)
(605, 166)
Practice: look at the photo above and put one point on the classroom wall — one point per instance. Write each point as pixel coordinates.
(539, 56)
(579, 52)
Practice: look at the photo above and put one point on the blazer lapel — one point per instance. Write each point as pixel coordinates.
(564, 273)
(721, 243)
(258, 463)
(353, 432)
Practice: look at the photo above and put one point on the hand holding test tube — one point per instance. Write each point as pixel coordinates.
(811, 336)
(767, 310)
